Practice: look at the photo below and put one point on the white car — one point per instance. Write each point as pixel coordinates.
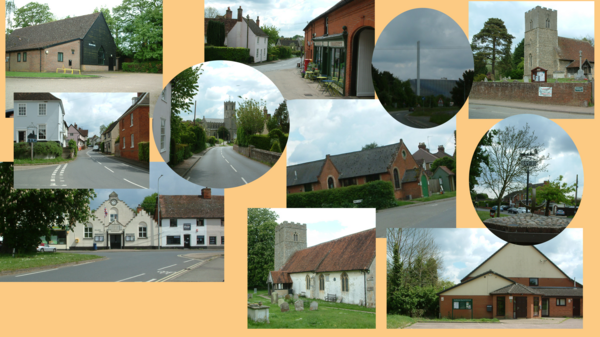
(522, 210)
(42, 248)
(96, 148)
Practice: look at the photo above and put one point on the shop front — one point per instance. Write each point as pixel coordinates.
(330, 58)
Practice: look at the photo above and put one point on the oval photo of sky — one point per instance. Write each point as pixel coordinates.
(422, 68)
(220, 124)
(526, 179)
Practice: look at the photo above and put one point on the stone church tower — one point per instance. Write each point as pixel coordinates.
(230, 118)
(541, 40)
(290, 237)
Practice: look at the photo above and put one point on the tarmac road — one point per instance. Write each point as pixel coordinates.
(88, 170)
(281, 65)
(433, 214)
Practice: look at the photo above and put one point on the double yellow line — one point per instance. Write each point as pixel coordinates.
(183, 271)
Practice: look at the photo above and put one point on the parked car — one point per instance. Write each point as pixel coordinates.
(513, 210)
(96, 148)
(560, 212)
(522, 210)
(42, 248)
(504, 207)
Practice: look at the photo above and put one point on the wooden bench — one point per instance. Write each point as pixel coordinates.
(66, 69)
(331, 298)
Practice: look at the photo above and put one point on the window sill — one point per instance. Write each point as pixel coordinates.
(142, 238)
(88, 238)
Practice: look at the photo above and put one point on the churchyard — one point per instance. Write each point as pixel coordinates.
(299, 314)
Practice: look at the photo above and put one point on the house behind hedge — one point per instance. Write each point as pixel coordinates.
(134, 127)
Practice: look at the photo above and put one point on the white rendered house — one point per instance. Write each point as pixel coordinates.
(41, 114)
(161, 123)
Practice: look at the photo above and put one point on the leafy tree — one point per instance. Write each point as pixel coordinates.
(273, 33)
(149, 203)
(369, 146)
(210, 12)
(282, 116)
(9, 7)
(519, 53)
(461, 90)
(223, 132)
(492, 40)
(139, 26)
(480, 64)
(588, 38)
(250, 116)
(261, 245)
(276, 147)
(32, 14)
(480, 157)
(103, 128)
(272, 124)
(215, 34)
(555, 191)
(295, 37)
(444, 161)
(29, 215)
(184, 87)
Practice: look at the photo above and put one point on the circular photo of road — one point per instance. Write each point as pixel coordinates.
(220, 124)
(526, 179)
(422, 68)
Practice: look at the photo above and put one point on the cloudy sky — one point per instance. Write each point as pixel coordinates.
(290, 16)
(223, 80)
(170, 184)
(90, 110)
(321, 127)
(328, 224)
(445, 50)
(564, 156)
(464, 249)
(60, 9)
(575, 19)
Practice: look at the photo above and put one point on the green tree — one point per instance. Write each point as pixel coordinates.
(103, 128)
(29, 215)
(184, 87)
(461, 90)
(210, 12)
(369, 146)
(519, 53)
(444, 161)
(273, 33)
(139, 26)
(261, 245)
(9, 7)
(33, 14)
(223, 132)
(250, 116)
(556, 191)
(282, 116)
(480, 64)
(480, 157)
(272, 124)
(492, 40)
(149, 204)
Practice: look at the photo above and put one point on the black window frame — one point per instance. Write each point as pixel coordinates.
(537, 282)
(61, 57)
(200, 239)
(396, 179)
(200, 223)
(222, 240)
(24, 56)
(212, 240)
(308, 188)
(330, 183)
(173, 239)
(564, 300)
(173, 221)
(498, 313)
(371, 178)
(18, 57)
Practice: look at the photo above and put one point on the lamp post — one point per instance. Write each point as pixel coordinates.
(528, 164)
(158, 206)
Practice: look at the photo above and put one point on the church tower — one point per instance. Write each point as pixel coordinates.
(541, 40)
(229, 120)
(290, 237)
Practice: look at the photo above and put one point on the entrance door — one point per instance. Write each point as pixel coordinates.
(424, 186)
(22, 136)
(186, 241)
(115, 241)
(366, 45)
(545, 307)
(111, 63)
(521, 307)
(576, 307)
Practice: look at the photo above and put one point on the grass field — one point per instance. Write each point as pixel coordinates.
(401, 322)
(483, 215)
(8, 263)
(41, 161)
(446, 195)
(46, 75)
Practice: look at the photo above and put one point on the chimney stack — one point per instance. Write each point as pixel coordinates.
(139, 208)
(240, 10)
(422, 146)
(258, 21)
(440, 148)
(228, 13)
(206, 193)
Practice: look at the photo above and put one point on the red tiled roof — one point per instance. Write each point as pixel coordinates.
(351, 252)
(192, 206)
(281, 277)
(575, 64)
(447, 170)
(83, 132)
(568, 49)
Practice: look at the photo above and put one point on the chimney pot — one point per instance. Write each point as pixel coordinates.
(206, 193)
(258, 20)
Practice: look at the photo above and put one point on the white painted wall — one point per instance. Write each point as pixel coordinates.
(194, 232)
(162, 114)
(53, 120)
(242, 37)
(333, 285)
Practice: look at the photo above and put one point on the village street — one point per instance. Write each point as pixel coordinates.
(419, 122)
(89, 170)
(479, 109)
(131, 266)
(433, 214)
(222, 167)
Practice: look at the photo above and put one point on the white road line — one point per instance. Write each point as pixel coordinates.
(188, 261)
(81, 264)
(129, 278)
(233, 167)
(99, 163)
(43, 271)
(135, 183)
(152, 280)
(245, 182)
(167, 266)
(62, 173)
(227, 161)
(109, 169)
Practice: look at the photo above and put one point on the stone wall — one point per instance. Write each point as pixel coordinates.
(562, 93)
(257, 154)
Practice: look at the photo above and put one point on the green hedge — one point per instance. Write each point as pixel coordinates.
(187, 151)
(144, 152)
(376, 194)
(215, 33)
(101, 147)
(143, 67)
(73, 146)
(276, 147)
(262, 142)
(278, 134)
(225, 53)
(212, 140)
(23, 150)
(179, 153)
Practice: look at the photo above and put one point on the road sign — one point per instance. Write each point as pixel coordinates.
(31, 140)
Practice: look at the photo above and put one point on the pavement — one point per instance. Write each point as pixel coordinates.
(88, 170)
(419, 122)
(185, 166)
(222, 167)
(119, 266)
(431, 214)
(213, 270)
(110, 81)
(543, 323)
(489, 109)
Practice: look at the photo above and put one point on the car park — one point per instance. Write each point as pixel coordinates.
(512, 210)
(42, 248)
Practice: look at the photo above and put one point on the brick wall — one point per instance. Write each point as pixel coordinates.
(140, 131)
(545, 282)
(88, 67)
(70, 50)
(327, 171)
(562, 93)
(258, 154)
(563, 311)
(403, 164)
(31, 65)
(480, 304)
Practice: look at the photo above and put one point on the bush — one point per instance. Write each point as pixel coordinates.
(212, 140)
(143, 67)
(276, 147)
(225, 53)
(282, 137)
(72, 146)
(376, 194)
(101, 147)
(179, 153)
(23, 150)
(144, 152)
(187, 151)
(283, 52)
(479, 78)
(215, 33)
(262, 142)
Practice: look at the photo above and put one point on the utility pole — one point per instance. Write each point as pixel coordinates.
(194, 112)
(418, 68)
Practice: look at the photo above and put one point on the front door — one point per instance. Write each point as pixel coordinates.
(576, 307)
(111, 63)
(21, 136)
(545, 307)
(115, 241)
(520, 307)
(186, 241)
(424, 186)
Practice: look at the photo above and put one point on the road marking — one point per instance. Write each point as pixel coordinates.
(227, 161)
(99, 163)
(81, 264)
(62, 174)
(109, 169)
(134, 183)
(129, 278)
(43, 271)
(188, 179)
(245, 182)
(188, 261)
(167, 266)
(152, 280)
(233, 168)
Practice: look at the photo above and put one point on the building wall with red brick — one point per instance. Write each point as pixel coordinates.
(31, 65)
(480, 304)
(404, 161)
(545, 282)
(563, 310)
(329, 170)
(562, 93)
(71, 51)
(139, 129)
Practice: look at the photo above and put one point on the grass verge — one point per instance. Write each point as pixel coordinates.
(46, 75)
(42, 161)
(401, 322)
(434, 197)
(483, 215)
(36, 260)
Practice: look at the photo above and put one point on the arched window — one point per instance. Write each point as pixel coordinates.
(396, 178)
(548, 23)
(345, 286)
(530, 61)
(321, 282)
(307, 282)
(101, 56)
(114, 214)
(330, 183)
(295, 236)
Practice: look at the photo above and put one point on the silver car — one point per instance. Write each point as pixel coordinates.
(42, 248)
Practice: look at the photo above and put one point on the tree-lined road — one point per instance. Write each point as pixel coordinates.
(222, 167)
(88, 170)
(435, 214)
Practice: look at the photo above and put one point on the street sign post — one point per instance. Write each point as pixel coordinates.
(31, 137)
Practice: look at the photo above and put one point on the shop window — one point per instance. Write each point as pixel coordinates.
(200, 239)
(174, 240)
(213, 240)
(561, 302)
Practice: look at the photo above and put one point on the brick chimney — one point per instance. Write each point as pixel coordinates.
(258, 20)
(240, 16)
(422, 146)
(139, 208)
(228, 13)
(440, 148)
(206, 193)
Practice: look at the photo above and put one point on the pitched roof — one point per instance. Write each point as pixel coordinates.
(51, 33)
(229, 23)
(351, 252)
(575, 63)
(304, 173)
(560, 291)
(568, 49)
(143, 99)
(281, 277)
(255, 28)
(447, 170)
(192, 206)
(515, 288)
(462, 282)
(83, 132)
(427, 156)
(287, 41)
(441, 154)
(110, 127)
(35, 96)
(340, 4)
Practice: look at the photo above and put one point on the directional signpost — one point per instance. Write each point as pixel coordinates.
(31, 137)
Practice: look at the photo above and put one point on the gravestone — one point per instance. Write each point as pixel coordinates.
(485, 79)
(280, 301)
(274, 298)
(525, 79)
(255, 290)
(285, 307)
(249, 296)
(287, 297)
(580, 76)
(299, 305)
(508, 78)
(314, 306)
(295, 297)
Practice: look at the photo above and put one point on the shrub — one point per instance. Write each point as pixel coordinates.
(187, 151)
(225, 53)
(215, 33)
(23, 150)
(212, 140)
(276, 147)
(283, 52)
(376, 194)
(101, 147)
(144, 152)
(479, 78)
(72, 146)
(179, 153)
(262, 142)
(282, 137)
(143, 67)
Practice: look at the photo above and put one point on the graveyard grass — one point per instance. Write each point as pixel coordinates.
(328, 316)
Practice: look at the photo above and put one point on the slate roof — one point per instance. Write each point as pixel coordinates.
(215, 120)
(427, 156)
(441, 154)
(515, 288)
(560, 291)
(305, 173)
(82, 132)
(254, 28)
(568, 49)
(35, 96)
(10, 113)
(332, 9)
(351, 252)
(51, 33)
(410, 175)
(192, 206)
(110, 127)
(229, 23)
(281, 277)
